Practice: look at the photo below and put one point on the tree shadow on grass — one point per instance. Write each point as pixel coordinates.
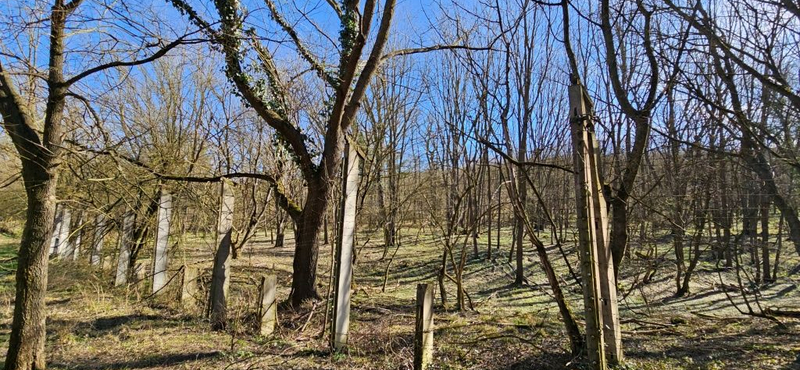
(100, 326)
(147, 362)
(717, 347)
(784, 291)
(544, 360)
(108, 323)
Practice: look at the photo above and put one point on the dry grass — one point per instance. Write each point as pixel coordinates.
(92, 325)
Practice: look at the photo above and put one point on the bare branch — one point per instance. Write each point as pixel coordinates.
(426, 49)
(301, 48)
(158, 54)
(521, 163)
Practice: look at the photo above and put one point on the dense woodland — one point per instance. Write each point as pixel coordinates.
(585, 184)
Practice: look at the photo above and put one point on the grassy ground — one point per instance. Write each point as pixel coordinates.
(92, 325)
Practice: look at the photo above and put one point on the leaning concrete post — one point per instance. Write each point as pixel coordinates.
(59, 220)
(64, 247)
(124, 257)
(423, 335)
(268, 307)
(344, 250)
(162, 239)
(188, 287)
(221, 274)
(97, 242)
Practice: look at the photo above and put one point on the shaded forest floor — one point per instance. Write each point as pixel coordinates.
(92, 325)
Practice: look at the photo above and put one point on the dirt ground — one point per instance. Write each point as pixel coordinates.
(92, 325)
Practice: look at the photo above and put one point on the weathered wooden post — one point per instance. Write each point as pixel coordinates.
(603, 335)
(344, 250)
(63, 247)
(423, 334)
(221, 274)
(124, 256)
(188, 290)
(97, 241)
(162, 239)
(267, 307)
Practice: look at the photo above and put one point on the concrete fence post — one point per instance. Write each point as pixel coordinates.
(423, 335)
(268, 306)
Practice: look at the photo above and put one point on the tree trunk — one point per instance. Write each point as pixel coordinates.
(778, 248)
(513, 240)
(519, 278)
(488, 208)
(325, 230)
(576, 339)
(694, 248)
(26, 343)
(441, 275)
(221, 273)
(726, 241)
(393, 206)
(39, 157)
(499, 216)
(522, 193)
(766, 268)
(280, 224)
(382, 214)
(619, 227)
(306, 253)
(473, 221)
(678, 234)
(459, 270)
(760, 166)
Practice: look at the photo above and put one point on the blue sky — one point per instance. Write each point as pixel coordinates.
(416, 23)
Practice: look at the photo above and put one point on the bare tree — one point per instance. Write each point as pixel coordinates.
(40, 153)
(347, 85)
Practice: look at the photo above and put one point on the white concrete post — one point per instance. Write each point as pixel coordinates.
(64, 246)
(268, 306)
(97, 242)
(344, 250)
(423, 333)
(123, 259)
(188, 287)
(162, 239)
(56, 230)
